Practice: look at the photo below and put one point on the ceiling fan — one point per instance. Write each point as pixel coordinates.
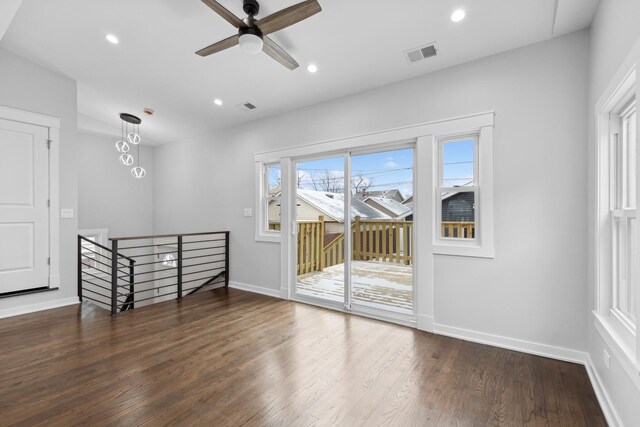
(252, 32)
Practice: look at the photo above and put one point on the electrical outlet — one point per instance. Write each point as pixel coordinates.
(248, 212)
(606, 358)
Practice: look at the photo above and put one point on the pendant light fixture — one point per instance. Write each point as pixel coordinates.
(130, 135)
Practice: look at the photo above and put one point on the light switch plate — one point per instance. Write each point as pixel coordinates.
(248, 212)
(66, 213)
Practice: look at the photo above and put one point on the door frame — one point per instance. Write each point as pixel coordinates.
(52, 124)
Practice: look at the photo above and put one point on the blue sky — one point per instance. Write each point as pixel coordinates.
(390, 169)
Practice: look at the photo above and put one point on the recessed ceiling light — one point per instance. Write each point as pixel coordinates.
(218, 102)
(312, 68)
(111, 38)
(458, 15)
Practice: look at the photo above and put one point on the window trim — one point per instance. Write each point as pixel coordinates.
(262, 234)
(482, 244)
(612, 324)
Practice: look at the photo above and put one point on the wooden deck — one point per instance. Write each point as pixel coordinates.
(231, 358)
(375, 283)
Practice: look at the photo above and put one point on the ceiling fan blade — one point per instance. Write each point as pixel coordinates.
(224, 12)
(272, 49)
(217, 47)
(289, 16)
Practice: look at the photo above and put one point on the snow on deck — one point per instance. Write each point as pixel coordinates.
(375, 283)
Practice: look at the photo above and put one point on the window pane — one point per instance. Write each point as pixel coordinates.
(630, 145)
(458, 215)
(272, 196)
(458, 163)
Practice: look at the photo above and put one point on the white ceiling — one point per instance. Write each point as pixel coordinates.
(357, 45)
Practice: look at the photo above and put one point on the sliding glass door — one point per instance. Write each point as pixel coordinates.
(354, 231)
(382, 230)
(320, 243)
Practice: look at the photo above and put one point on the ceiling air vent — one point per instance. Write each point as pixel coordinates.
(246, 106)
(424, 52)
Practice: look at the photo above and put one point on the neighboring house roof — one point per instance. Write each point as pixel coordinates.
(396, 208)
(408, 200)
(387, 194)
(332, 205)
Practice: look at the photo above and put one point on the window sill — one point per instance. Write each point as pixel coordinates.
(624, 353)
(276, 238)
(466, 251)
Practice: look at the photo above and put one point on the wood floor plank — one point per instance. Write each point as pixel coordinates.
(228, 357)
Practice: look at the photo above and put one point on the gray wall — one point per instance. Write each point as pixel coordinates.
(27, 86)
(534, 289)
(614, 32)
(108, 196)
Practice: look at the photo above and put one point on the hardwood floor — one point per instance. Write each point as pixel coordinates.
(236, 358)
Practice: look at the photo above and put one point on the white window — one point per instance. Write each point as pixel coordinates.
(617, 234)
(268, 216)
(463, 194)
(92, 259)
(623, 178)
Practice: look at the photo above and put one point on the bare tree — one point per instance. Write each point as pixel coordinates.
(328, 181)
(361, 183)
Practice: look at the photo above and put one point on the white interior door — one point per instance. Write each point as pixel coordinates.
(24, 210)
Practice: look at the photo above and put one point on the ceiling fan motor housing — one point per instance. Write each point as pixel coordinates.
(251, 7)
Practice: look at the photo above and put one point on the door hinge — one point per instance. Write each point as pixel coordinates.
(48, 203)
(49, 141)
(48, 261)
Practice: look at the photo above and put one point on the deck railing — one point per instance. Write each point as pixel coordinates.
(150, 269)
(389, 241)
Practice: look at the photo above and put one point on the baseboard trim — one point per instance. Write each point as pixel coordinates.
(609, 411)
(424, 322)
(32, 308)
(255, 289)
(559, 353)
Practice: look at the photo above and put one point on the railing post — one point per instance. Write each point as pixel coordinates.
(114, 277)
(80, 268)
(226, 259)
(179, 267)
(356, 246)
(131, 282)
(322, 261)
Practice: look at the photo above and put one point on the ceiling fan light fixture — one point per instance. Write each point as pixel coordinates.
(250, 40)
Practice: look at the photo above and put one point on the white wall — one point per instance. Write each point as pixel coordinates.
(108, 195)
(535, 288)
(27, 86)
(614, 32)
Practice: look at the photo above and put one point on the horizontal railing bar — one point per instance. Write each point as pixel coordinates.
(173, 252)
(154, 280)
(203, 263)
(98, 293)
(204, 241)
(99, 278)
(201, 256)
(100, 246)
(203, 271)
(126, 276)
(164, 236)
(95, 284)
(102, 263)
(107, 257)
(150, 289)
(195, 280)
